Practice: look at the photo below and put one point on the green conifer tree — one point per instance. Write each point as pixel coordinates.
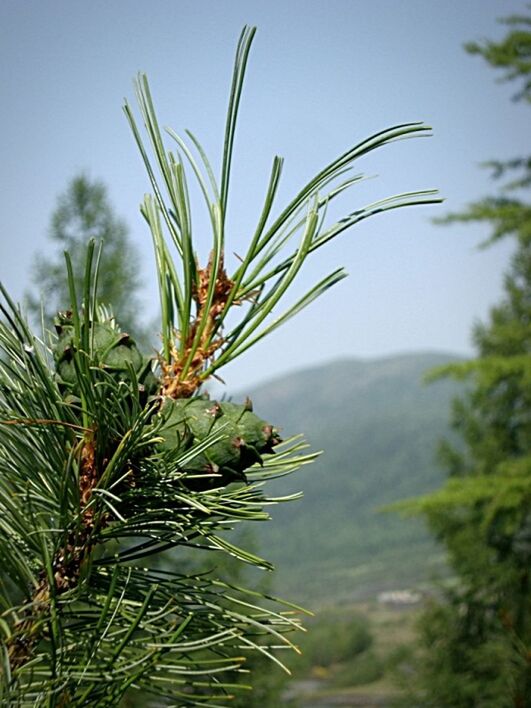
(478, 643)
(109, 458)
(84, 212)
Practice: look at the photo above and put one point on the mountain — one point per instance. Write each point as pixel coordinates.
(378, 425)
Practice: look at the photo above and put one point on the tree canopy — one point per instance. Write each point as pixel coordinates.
(84, 212)
(479, 641)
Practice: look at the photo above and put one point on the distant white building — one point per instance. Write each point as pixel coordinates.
(399, 597)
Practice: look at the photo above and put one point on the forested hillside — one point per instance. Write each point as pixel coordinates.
(378, 425)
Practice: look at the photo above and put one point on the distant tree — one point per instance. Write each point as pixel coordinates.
(479, 641)
(83, 212)
(512, 54)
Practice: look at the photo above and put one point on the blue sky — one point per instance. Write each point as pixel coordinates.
(322, 76)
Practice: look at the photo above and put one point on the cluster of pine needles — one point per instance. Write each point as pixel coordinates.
(90, 500)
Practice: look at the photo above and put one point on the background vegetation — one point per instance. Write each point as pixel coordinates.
(84, 212)
(478, 642)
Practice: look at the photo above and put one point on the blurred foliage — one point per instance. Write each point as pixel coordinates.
(332, 639)
(469, 659)
(360, 670)
(83, 211)
(478, 643)
(354, 650)
(512, 54)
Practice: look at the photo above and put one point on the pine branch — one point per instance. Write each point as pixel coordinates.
(109, 459)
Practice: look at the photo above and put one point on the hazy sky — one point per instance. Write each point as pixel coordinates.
(322, 76)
